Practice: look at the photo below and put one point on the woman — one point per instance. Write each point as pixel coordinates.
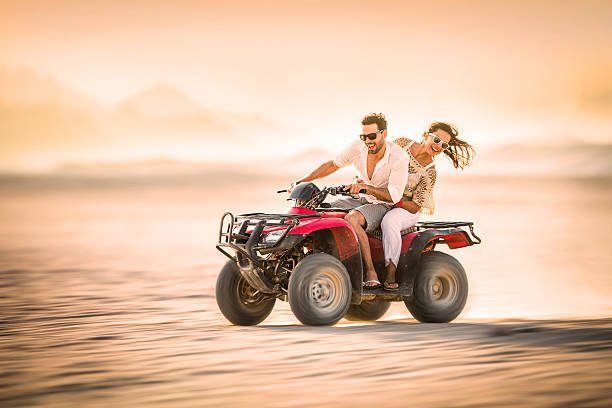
(418, 194)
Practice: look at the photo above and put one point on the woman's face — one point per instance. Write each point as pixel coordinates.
(434, 148)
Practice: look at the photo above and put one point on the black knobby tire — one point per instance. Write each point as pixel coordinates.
(440, 289)
(319, 290)
(368, 310)
(238, 301)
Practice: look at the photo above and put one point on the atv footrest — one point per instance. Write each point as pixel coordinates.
(400, 292)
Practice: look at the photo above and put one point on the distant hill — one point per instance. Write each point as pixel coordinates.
(161, 100)
(43, 122)
(27, 88)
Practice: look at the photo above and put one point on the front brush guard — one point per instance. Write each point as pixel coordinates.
(246, 245)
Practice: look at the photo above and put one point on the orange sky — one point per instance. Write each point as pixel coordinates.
(318, 66)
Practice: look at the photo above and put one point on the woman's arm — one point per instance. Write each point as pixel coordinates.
(410, 206)
(383, 194)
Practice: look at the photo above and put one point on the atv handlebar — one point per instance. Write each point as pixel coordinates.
(338, 190)
(313, 197)
(342, 190)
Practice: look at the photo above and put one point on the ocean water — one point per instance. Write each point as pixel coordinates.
(107, 289)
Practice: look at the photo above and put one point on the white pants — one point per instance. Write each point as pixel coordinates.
(392, 225)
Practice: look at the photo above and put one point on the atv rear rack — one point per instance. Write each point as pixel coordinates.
(425, 225)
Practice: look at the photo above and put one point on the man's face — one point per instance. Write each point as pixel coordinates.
(375, 145)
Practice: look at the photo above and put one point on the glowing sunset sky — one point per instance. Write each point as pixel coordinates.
(500, 70)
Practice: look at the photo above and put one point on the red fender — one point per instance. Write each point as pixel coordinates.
(455, 240)
(344, 235)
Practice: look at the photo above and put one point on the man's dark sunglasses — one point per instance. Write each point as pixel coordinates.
(437, 139)
(370, 136)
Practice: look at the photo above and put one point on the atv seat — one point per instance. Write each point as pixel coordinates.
(330, 209)
(378, 233)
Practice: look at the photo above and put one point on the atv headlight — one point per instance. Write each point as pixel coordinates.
(272, 238)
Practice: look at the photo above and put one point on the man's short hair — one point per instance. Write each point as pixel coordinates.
(377, 118)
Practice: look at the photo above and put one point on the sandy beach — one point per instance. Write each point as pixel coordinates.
(128, 128)
(171, 347)
(107, 299)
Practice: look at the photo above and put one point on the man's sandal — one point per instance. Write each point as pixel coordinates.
(372, 284)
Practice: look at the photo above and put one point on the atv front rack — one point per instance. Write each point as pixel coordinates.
(234, 234)
(247, 243)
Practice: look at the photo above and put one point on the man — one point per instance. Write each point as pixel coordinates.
(383, 166)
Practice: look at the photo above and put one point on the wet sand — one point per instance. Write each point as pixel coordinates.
(107, 299)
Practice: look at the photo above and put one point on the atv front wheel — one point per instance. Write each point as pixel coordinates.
(368, 310)
(319, 290)
(239, 302)
(440, 289)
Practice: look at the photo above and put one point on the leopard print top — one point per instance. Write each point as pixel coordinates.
(421, 180)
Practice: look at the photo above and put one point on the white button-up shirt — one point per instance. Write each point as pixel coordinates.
(391, 171)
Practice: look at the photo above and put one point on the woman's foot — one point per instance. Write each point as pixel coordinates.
(390, 285)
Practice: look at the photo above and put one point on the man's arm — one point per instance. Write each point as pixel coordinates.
(323, 170)
(382, 194)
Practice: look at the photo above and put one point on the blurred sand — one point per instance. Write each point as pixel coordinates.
(107, 299)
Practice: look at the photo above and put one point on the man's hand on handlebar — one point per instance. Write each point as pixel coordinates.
(357, 188)
(349, 190)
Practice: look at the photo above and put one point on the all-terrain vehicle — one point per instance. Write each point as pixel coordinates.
(310, 256)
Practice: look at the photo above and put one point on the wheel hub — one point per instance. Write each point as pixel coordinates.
(436, 288)
(323, 291)
(443, 288)
(248, 295)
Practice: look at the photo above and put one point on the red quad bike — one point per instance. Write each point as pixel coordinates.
(310, 256)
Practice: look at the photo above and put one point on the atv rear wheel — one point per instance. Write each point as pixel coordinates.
(440, 289)
(239, 302)
(368, 310)
(319, 290)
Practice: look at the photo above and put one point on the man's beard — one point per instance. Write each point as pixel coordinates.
(377, 149)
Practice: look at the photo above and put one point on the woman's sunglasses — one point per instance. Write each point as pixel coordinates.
(370, 136)
(437, 140)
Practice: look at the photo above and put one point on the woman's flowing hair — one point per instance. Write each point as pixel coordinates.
(459, 152)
